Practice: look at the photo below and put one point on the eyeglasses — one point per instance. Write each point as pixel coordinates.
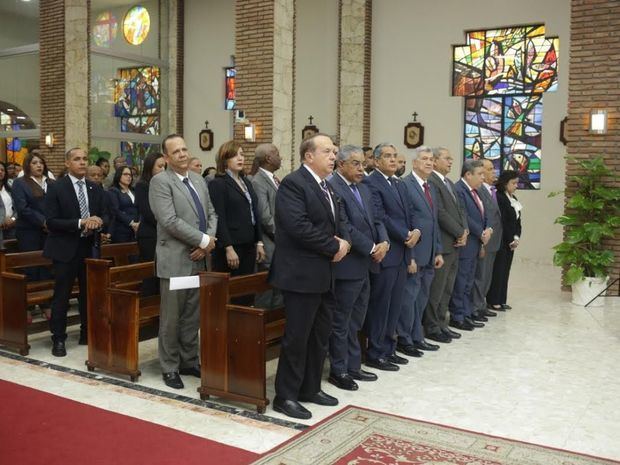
(354, 163)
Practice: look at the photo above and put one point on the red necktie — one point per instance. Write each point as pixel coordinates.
(478, 201)
(427, 193)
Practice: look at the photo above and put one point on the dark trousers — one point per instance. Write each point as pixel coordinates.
(484, 273)
(146, 248)
(384, 307)
(247, 265)
(461, 305)
(440, 294)
(269, 299)
(344, 346)
(65, 274)
(498, 292)
(29, 240)
(304, 345)
(411, 330)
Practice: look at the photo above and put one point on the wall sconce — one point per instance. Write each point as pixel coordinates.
(49, 140)
(598, 122)
(250, 132)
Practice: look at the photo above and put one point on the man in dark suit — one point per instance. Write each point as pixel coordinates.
(311, 235)
(186, 227)
(453, 227)
(386, 287)
(461, 305)
(266, 184)
(75, 211)
(426, 254)
(369, 244)
(484, 267)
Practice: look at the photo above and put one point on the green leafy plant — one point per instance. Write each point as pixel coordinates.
(95, 154)
(592, 215)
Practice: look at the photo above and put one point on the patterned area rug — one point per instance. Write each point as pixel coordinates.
(356, 436)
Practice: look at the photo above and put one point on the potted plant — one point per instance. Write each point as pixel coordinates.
(95, 154)
(592, 215)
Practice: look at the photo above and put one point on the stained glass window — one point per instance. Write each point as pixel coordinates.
(136, 25)
(105, 29)
(135, 152)
(230, 99)
(503, 73)
(137, 91)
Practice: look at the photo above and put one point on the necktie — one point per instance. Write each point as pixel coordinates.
(427, 194)
(276, 181)
(202, 218)
(478, 201)
(82, 200)
(325, 190)
(494, 193)
(356, 194)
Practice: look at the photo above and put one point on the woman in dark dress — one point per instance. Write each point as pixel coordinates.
(510, 208)
(147, 231)
(125, 219)
(239, 237)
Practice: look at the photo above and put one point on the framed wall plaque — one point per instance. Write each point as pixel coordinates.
(206, 138)
(414, 135)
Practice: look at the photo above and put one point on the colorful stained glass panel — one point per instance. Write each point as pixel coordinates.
(141, 125)
(105, 29)
(230, 99)
(136, 25)
(137, 92)
(135, 152)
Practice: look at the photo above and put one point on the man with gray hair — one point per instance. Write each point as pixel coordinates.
(461, 305)
(454, 230)
(427, 255)
(369, 244)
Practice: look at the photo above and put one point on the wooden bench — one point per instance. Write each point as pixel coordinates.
(17, 294)
(236, 341)
(9, 245)
(118, 315)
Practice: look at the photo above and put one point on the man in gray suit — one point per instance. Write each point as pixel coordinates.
(454, 230)
(266, 183)
(484, 267)
(186, 226)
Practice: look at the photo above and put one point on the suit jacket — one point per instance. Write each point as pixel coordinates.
(305, 230)
(148, 224)
(123, 212)
(234, 225)
(62, 212)
(494, 219)
(2, 215)
(476, 220)
(424, 219)
(364, 228)
(30, 209)
(511, 225)
(451, 217)
(266, 194)
(393, 210)
(178, 223)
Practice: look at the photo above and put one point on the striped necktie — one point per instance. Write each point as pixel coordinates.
(82, 200)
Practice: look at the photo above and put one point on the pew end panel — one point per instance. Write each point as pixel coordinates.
(13, 322)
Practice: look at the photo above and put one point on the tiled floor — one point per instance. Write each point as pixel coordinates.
(545, 372)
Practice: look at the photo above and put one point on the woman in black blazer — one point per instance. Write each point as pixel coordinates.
(124, 212)
(510, 208)
(147, 231)
(239, 237)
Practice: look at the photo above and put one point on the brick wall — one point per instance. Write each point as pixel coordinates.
(52, 64)
(594, 83)
(254, 28)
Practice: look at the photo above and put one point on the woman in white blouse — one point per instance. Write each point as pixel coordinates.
(8, 223)
(510, 208)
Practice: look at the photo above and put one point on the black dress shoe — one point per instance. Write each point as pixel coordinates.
(478, 317)
(320, 398)
(506, 307)
(343, 381)
(362, 375)
(291, 408)
(487, 313)
(462, 325)
(439, 337)
(409, 350)
(474, 323)
(423, 345)
(191, 371)
(381, 364)
(496, 308)
(83, 338)
(173, 380)
(58, 349)
(452, 334)
(397, 359)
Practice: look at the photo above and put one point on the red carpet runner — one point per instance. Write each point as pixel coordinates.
(359, 436)
(40, 428)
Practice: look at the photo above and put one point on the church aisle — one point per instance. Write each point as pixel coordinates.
(542, 373)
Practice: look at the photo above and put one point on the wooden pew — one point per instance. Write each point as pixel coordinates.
(118, 315)
(16, 293)
(236, 341)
